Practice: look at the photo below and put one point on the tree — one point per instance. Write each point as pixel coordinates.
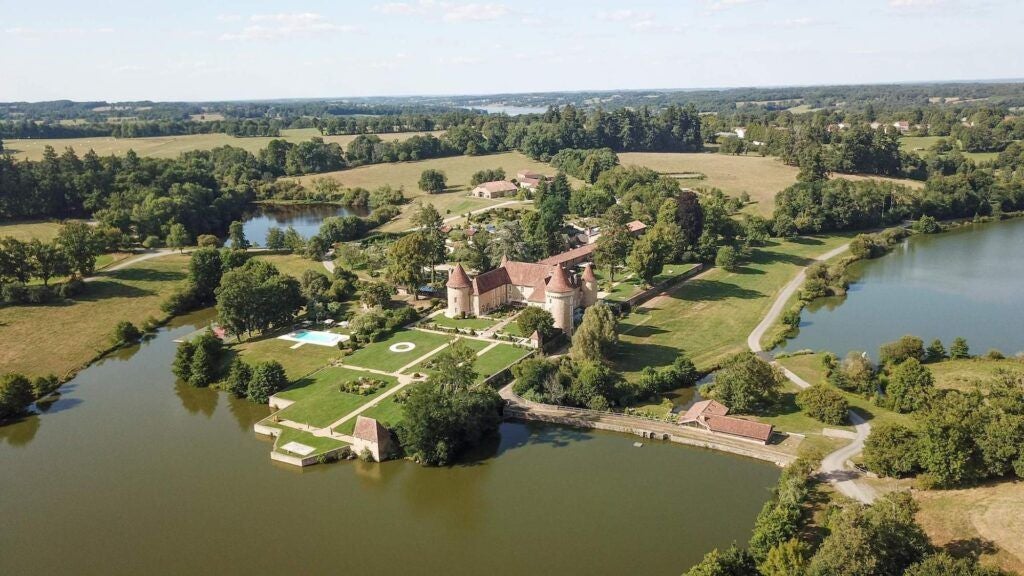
(275, 238)
(407, 258)
(487, 175)
(613, 246)
(15, 261)
(959, 349)
(376, 294)
(239, 376)
(935, 352)
(891, 450)
(904, 348)
(733, 562)
(942, 564)
(690, 216)
(727, 258)
(426, 217)
(910, 387)
(46, 260)
(823, 404)
(80, 247)
(207, 241)
(236, 233)
(256, 297)
(15, 395)
(786, 559)
(440, 423)
(267, 379)
(745, 383)
(452, 368)
(647, 258)
(178, 237)
(595, 337)
(205, 268)
(536, 319)
(432, 181)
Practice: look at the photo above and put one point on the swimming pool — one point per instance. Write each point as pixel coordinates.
(315, 337)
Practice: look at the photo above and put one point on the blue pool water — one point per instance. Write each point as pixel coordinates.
(314, 337)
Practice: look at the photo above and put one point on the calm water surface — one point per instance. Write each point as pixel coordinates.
(305, 218)
(968, 282)
(130, 473)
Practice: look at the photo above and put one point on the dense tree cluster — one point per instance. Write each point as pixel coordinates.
(745, 383)
(255, 297)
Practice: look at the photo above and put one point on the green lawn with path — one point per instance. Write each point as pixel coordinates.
(496, 359)
(471, 343)
(463, 323)
(627, 288)
(711, 315)
(296, 362)
(378, 356)
(320, 444)
(318, 400)
(388, 412)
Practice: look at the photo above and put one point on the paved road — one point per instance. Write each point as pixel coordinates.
(833, 466)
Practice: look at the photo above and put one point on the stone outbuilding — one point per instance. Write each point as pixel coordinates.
(373, 436)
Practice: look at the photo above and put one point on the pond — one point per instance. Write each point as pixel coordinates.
(305, 218)
(967, 282)
(132, 473)
(510, 110)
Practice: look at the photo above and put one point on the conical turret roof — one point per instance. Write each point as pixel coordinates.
(559, 283)
(457, 278)
(588, 274)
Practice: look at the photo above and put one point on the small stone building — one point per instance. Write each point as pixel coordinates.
(496, 189)
(713, 416)
(373, 436)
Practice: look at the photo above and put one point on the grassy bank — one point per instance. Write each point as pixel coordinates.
(62, 338)
(25, 231)
(711, 315)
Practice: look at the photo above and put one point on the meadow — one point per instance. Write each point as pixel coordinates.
(921, 144)
(25, 231)
(62, 338)
(710, 315)
(172, 146)
(457, 169)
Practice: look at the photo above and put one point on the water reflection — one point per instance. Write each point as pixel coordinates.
(305, 218)
(20, 432)
(197, 400)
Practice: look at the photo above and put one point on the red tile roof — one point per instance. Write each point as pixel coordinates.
(457, 278)
(636, 226)
(490, 280)
(588, 273)
(559, 283)
(739, 427)
(568, 255)
(370, 430)
(539, 291)
(526, 273)
(703, 408)
(497, 186)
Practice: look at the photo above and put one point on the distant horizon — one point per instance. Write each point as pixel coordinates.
(237, 51)
(1017, 80)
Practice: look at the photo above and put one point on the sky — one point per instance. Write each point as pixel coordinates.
(195, 50)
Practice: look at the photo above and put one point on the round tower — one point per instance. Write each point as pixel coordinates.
(560, 294)
(459, 299)
(589, 288)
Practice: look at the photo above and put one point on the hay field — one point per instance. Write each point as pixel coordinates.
(172, 146)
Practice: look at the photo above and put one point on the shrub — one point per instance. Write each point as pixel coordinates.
(126, 333)
(891, 450)
(267, 379)
(152, 242)
(910, 387)
(207, 241)
(71, 288)
(727, 258)
(927, 225)
(823, 404)
(238, 378)
(906, 347)
(43, 386)
(15, 395)
(14, 293)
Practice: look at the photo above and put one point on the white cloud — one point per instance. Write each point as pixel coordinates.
(912, 3)
(718, 5)
(284, 25)
(623, 15)
(447, 11)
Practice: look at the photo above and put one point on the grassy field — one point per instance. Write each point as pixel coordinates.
(321, 444)
(388, 412)
(710, 316)
(297, 363)
(988, 520)
(458, 169)
(628, 287)
(496, 359)
(318, 401)
(964, 374)
(25, 231)
(921, 144)
(760, 176)
(62, 338)
(293, 264)
(172, 146)
(378, 356)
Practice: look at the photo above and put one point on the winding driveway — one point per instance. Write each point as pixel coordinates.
(834, 467)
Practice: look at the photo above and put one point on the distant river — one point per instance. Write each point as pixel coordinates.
(968, 282)
(510, 110)
(305, 218)
(130, 472)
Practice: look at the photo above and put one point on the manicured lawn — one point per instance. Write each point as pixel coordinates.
(965, 374)
(318, 401)
(627, 288)
(297, 363)
(320, 443)
(496, 359)
(991, 513)
(26, 231)
(710, 316)
(388, 412)
(464, 323)
(172, 146)
(377, 356)
(105, 260)
(62, 338)
(472, 344)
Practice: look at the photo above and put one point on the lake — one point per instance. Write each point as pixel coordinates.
(967, 282)
(510, 110)
(305, 218)
(130, 472)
